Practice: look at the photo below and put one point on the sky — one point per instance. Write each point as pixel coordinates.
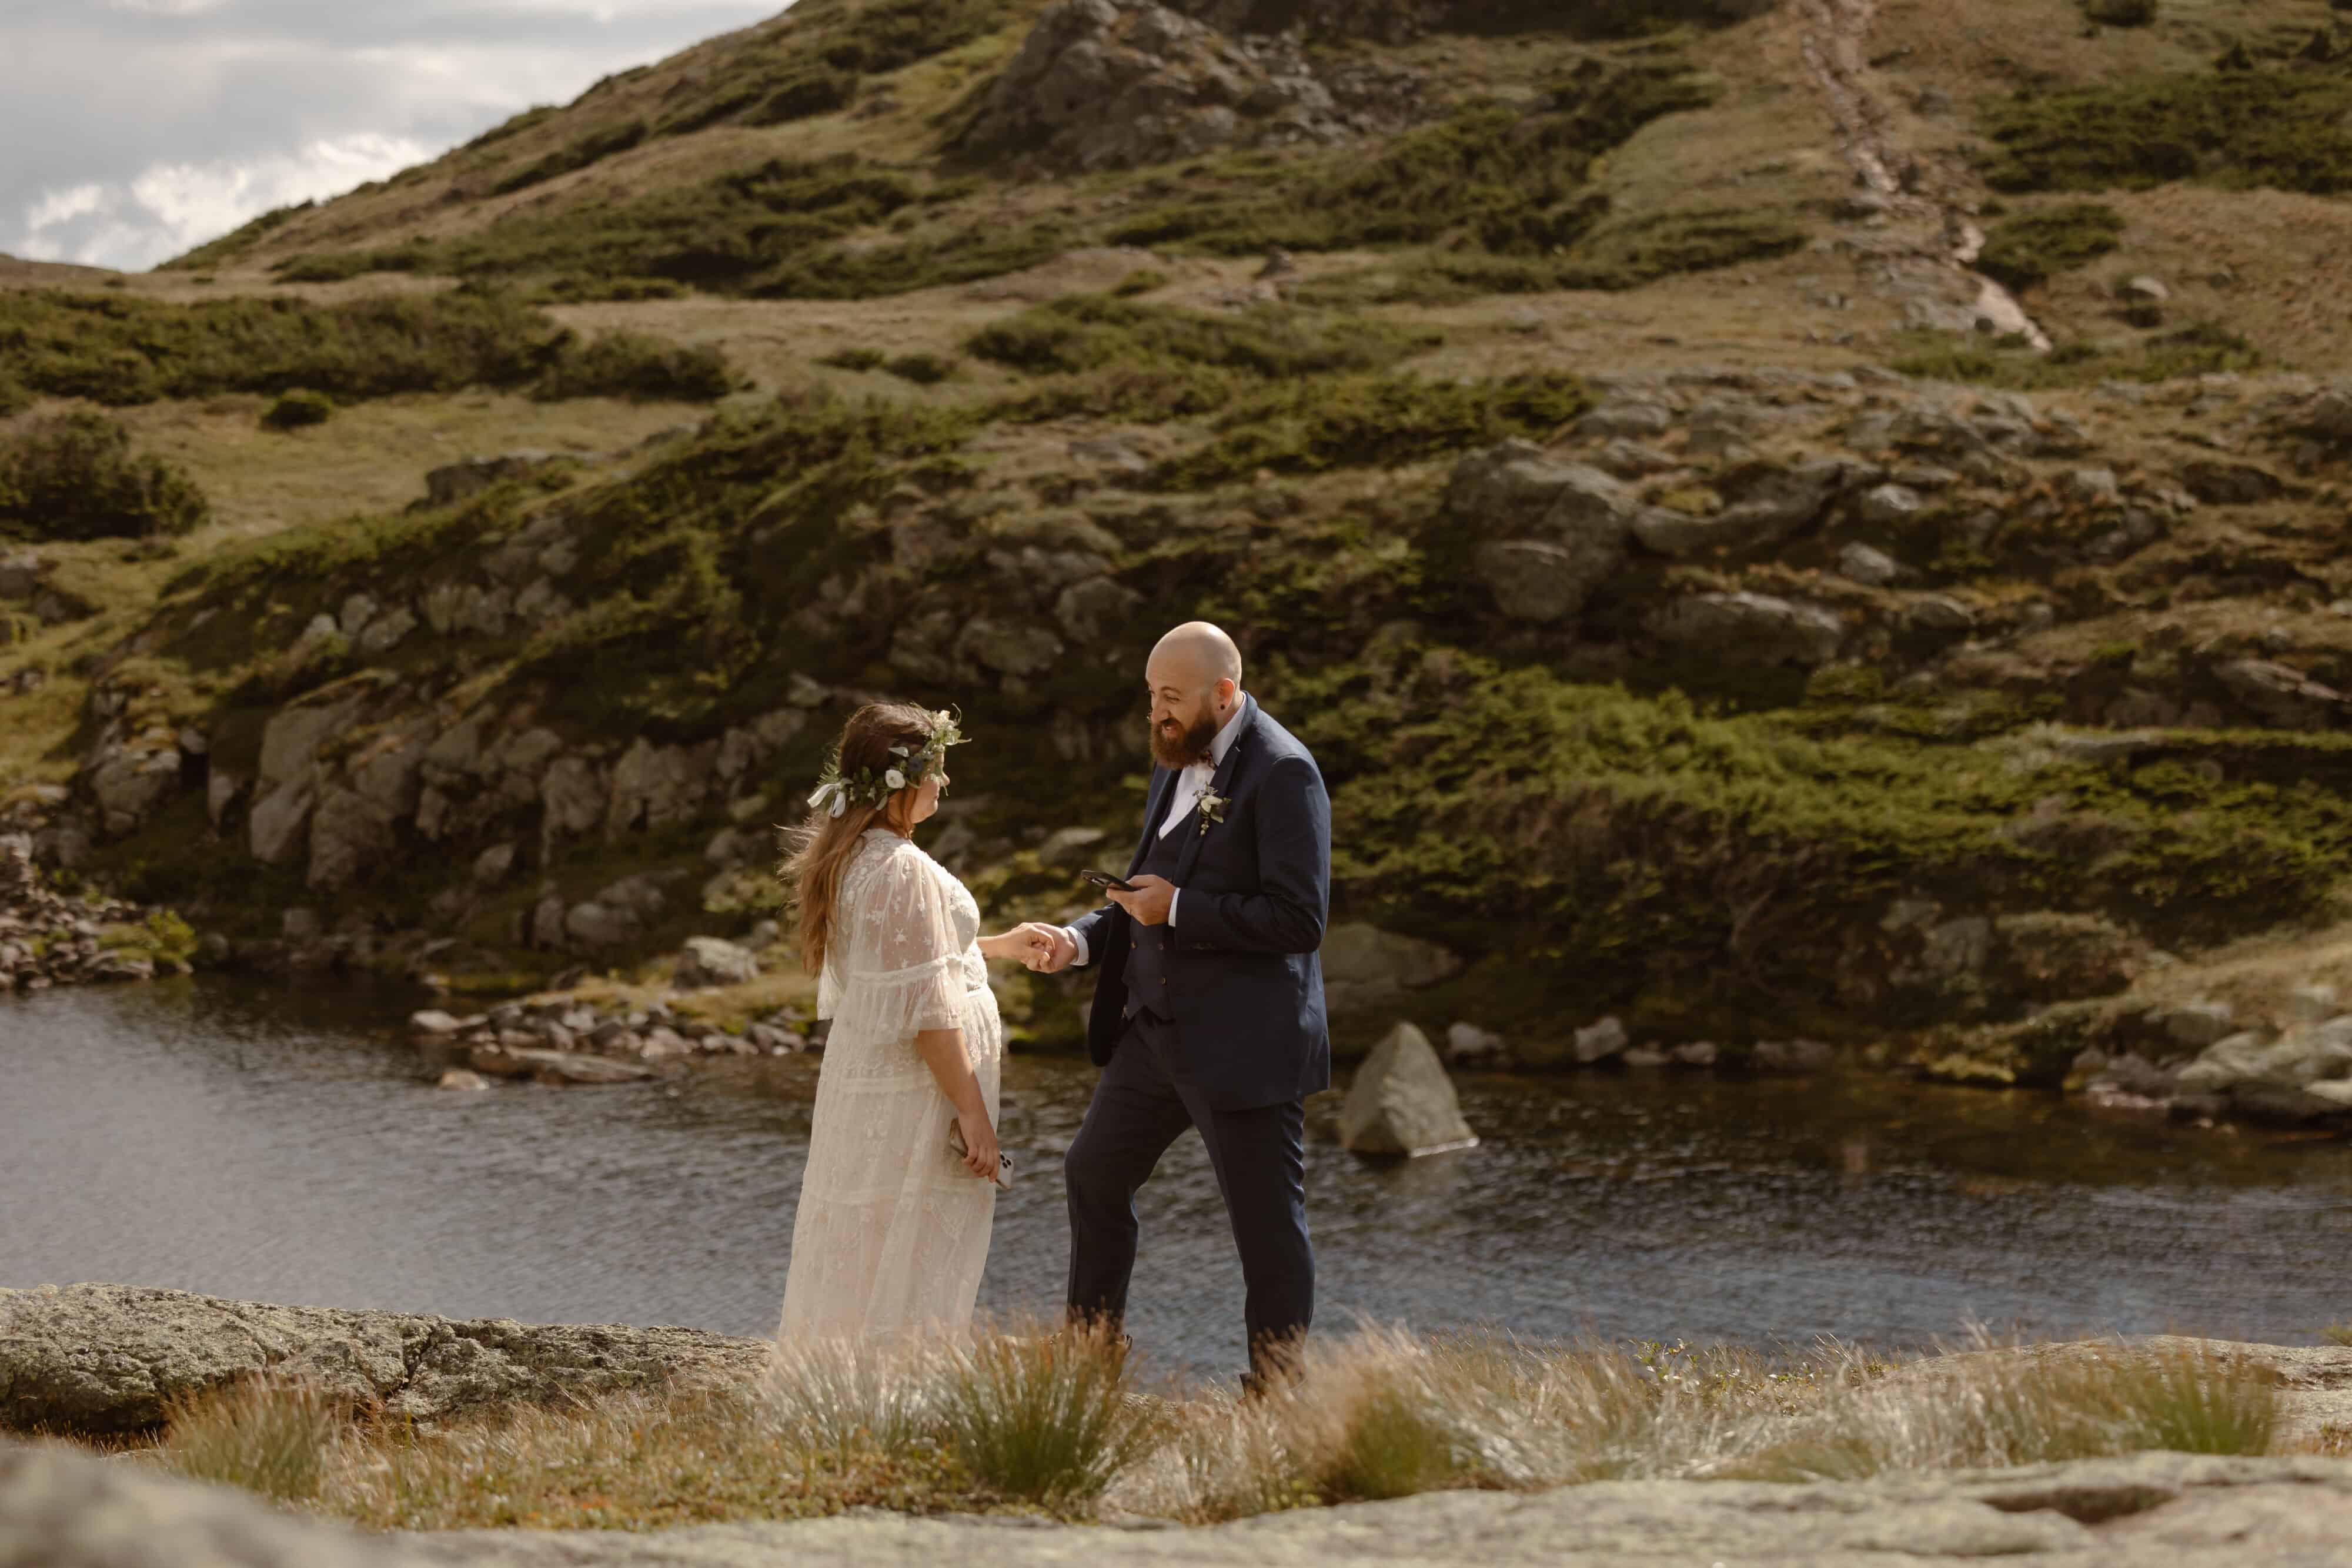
(131, 131)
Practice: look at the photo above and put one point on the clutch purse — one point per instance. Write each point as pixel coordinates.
(962, 1151)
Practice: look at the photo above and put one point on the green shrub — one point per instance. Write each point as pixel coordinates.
(127, 350)
(74, 476)
(1144, 280)
(923, 370)
(819, 91)
(2206, 348)
(298, 408)
(1369, 420)
(2288, 129)
(2031, 248)
(14, 397)
(1087, 332)
(622, 363)
(2120, 13)
(230, 246)
(855, 359)
(592, 148)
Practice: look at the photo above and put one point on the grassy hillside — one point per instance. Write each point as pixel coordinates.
(1856, 675)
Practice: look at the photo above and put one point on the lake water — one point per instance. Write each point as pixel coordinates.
(287, 1146)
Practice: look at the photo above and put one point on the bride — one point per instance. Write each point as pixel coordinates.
(893, 1226)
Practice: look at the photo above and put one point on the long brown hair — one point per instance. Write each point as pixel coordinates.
(819, 850)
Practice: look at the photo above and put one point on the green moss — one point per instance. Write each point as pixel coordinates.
(297, 409)
(162, 939)
(923, 370)
(2029, 249)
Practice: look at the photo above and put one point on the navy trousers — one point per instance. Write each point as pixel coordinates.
(1140, 1108)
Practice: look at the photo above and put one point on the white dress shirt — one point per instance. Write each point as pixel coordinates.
(1191, 785)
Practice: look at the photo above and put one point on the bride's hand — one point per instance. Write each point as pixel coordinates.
(979, 1143)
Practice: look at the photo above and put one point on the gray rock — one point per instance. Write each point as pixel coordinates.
(1517, 491)
(1468, 1042)
(2137, 1511)
(1364, 966)
(708, 961)
(91, 1359)
(492, 866)
(349, 834)
(1792, 1056)
(2280, 695)
(573, 797)
(458, 1078)
(1696, 1053)
(1541, 581)
(1600, 1041)
(291, 741)
(1628, 420)
(2226, 1064)
(387, 631)
(2196, 1024)
(132, 780)
(1632, 460)
(1891, 506)
(2109, 1101)
(1872, 568)
(1009, 648)
(1763, 505)
(1751, 628)
(1940, 613)
(655, 787)
(1402, 1102)
(1647, 1059)
(278, 827)
(22, 573)
(594, 925)
(2312, 1002)
(61, 1508)
(1088, 611)
(435, 1022)
(775, 1041)
(555, 1066)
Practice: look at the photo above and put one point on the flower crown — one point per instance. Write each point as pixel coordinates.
(836, 791)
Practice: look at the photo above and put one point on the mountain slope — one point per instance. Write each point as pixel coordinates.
(1821, 663)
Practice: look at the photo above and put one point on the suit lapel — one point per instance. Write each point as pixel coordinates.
(1220, 783)
(1163, 786)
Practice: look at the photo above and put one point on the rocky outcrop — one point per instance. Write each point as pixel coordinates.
(49, 939)
(1749, 629)
(1366, 967)
(63, 1508)
(2148, 1510)
(708, 961)
(95, 1359)
(1402, 1102)
(1111, 84)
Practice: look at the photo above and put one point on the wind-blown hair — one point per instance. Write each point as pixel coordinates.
(819, 851)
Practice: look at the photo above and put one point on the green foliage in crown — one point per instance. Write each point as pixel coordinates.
(836, 791)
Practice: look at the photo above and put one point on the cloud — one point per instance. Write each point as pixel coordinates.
(140, 129)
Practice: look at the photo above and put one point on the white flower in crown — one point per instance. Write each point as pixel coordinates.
(896, 779)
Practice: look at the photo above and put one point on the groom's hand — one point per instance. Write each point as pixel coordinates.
(1149, 903)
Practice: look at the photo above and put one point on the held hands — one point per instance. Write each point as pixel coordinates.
(1033, 945)
(1149, 903)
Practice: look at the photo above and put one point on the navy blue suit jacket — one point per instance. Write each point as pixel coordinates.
(1245, 985)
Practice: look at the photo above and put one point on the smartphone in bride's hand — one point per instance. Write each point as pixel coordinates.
(962, 1151)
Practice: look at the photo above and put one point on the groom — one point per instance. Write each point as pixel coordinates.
(1209, 1013)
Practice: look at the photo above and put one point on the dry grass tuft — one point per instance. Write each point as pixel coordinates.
(1047, 1421)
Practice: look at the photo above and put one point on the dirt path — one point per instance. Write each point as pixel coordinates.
(1928, 247)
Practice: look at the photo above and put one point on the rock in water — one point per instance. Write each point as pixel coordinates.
(61, 1509)
(708, 961)
(458, 1078)
(1402, 1102)
(555, 1066)
(83, 1359)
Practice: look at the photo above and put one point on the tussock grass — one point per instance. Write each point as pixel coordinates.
(275, 1436)
(1036, 1420)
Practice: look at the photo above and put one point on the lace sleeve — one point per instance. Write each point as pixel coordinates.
(901, 965)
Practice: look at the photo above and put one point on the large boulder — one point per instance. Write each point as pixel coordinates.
(349, 833)
(1365, 966)
(61, 1508)
(1551, 533)
(1764, 503)
(131, 780)
(1112, 84)
(2280, 695)
(1749, 629)
(93, 1359)
(1402, 1102)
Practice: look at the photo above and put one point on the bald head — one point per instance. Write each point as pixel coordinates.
(1195, 681)
(1200, 651)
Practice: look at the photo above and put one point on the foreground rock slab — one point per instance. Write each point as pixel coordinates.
(63, 1509)
(94, 1359)
(2149, 1510)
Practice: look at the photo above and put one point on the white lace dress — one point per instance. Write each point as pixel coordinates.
(893, 1229)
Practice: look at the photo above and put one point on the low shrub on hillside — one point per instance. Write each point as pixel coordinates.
(2031, 248)
(297, 409)
(2204, 349)
(644, 369)
(75, 476)
(594, 148)
(118, 351)
(2120, 13)
(923, 370)
(1372, 421)
(2290, 129)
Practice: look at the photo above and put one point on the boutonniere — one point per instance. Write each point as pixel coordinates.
(1212, 809)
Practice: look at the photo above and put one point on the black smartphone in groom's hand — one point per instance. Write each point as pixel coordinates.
(1104, 879)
